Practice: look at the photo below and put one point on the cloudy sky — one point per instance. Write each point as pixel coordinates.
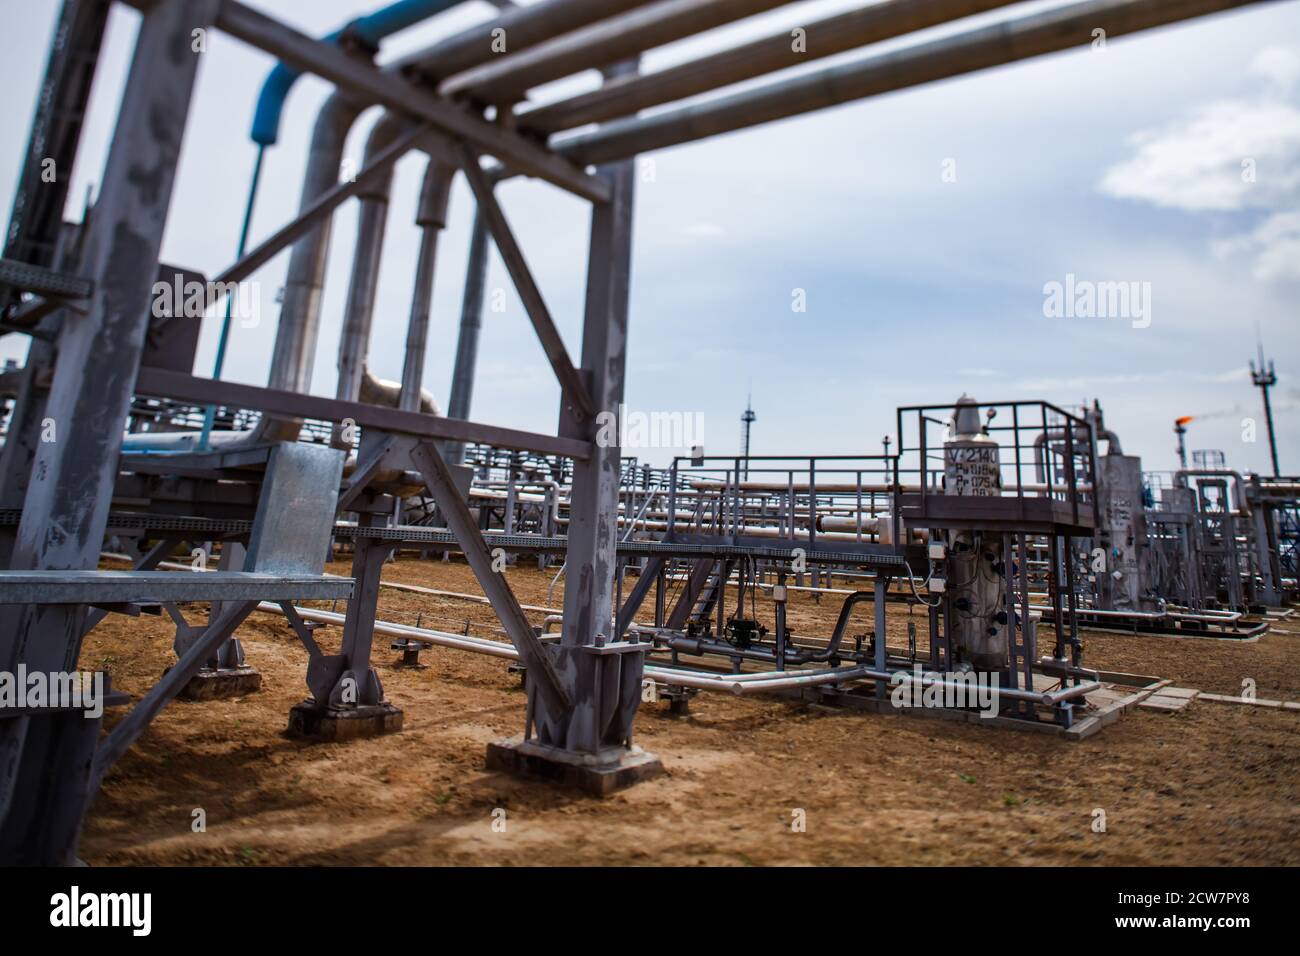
(923, 227)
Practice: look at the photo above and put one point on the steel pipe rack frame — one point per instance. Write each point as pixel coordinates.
(1002, 43)
(847, 31)
(159, 89)
(65, 508)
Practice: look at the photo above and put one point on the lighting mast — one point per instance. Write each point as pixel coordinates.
(1265, 378)
(747, 420)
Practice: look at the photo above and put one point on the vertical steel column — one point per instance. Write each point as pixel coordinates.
(880, 599)
(1054, 587)
(67, 502)
(600, 676)
(1076, 646)
(1008, 562)
(593, 508)
(1028, 633)
(359, 625)
(65, 511)
(37, 217)
(23, 436)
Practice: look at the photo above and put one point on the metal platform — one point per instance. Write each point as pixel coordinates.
(1036, 515)
(862, 556)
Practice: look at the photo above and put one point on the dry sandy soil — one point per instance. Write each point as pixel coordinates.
(1215, 784)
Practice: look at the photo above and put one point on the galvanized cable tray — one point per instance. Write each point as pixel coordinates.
(156, 522)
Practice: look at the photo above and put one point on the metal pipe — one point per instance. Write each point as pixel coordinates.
(471, 322)
(517, 28)
(838, 34)
(432, 219)
(506, 651)
(366, 32)
(372, 221)
(1002, 43)
(1041, 441)
(1242, 510)
(504, 79)
(296, 336)
(381, 391)
(740, 684)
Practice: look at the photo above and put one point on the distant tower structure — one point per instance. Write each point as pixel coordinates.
(747, 420)
(1180, 429)
(1264, 377)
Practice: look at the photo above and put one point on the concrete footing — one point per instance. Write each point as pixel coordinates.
(308, 720)
(222, 684)
(596, 774)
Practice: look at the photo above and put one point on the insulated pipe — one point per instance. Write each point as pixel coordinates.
(471, 322)
(838, 34)
(501, 649)
(1007, 42)
(712, 488)
(682, 678)
(504, 79)
(381, 391)
(178, 442)
(432, 219)
(365, 32)
(1098, 612)
(1081, 440)
(517, 28)
(740, 684)
(356, 381)
(295, 337)
(372, 223)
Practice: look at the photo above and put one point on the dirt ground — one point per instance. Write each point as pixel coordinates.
(1215, 784)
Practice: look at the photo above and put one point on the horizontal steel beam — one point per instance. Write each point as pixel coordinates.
(206, 391)
(626, 95)
(504, 79)
(1018, 39)
(25, 277)
(367, 83)
(165, 587)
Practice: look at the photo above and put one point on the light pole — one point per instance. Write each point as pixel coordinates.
(1265, 378)
(747, 420)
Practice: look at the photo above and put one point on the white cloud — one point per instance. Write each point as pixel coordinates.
(704, 230)
(1145, 379)
(1280, 65)
(1229, 156)
(1275, 243)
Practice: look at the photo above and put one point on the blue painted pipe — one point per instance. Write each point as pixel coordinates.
(368, 30)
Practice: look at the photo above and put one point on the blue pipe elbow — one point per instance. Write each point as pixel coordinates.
(369, 30)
